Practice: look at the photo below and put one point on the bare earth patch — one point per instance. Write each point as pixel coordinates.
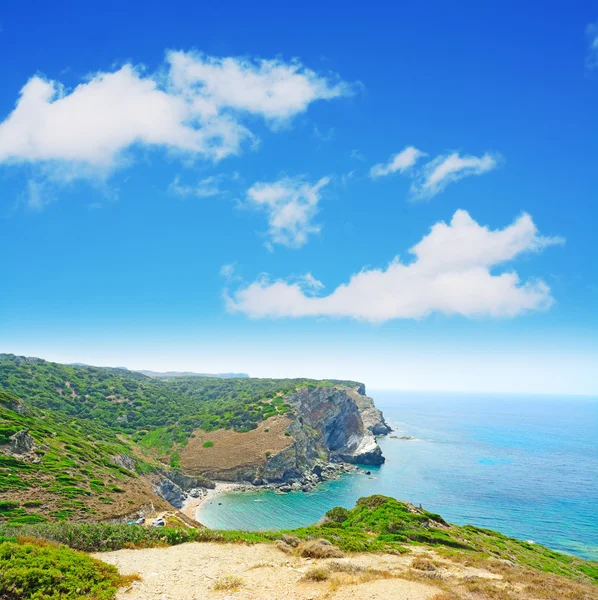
(231, 450)
(192, 571)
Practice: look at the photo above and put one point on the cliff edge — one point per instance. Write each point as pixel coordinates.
(324, 428)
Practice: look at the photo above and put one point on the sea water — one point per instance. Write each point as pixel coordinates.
(526, 466)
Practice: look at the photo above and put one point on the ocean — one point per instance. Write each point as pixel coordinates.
(526, 466)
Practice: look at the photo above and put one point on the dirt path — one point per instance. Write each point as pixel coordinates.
(192, 571)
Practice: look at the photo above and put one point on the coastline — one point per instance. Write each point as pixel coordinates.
(192, 505)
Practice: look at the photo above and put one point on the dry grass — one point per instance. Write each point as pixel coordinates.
(284, 547)
(345, 567)
(317, 574)
(228, 583)
(234, 449)
(423, 564)
(319, 549)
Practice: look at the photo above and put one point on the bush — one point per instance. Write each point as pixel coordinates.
(317, 574)
(38, 570)
(208, 444)
(319, 549)
(99, 537)
(338, 514)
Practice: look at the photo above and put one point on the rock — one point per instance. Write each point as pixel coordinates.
(283, 547)
(291, 540)
(187, 483)
(372, 417)
(21, 443)
(171, 492)
(123, 460)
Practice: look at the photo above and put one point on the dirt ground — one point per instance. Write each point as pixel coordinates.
(192, 571)
(232, 450)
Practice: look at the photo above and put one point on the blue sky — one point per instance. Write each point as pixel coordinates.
(238, 188)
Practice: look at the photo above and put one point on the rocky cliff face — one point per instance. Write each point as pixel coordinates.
(372, 417)
(328, 425)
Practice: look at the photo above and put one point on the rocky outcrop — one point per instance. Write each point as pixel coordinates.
(123, 460)
(21, 443)
(372, 417)
(175, 487)
(170, 491)
(327, 426)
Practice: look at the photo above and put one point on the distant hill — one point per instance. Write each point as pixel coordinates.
(167, 374)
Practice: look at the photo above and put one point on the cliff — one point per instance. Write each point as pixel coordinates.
(326, 426)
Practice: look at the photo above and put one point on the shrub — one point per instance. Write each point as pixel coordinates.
(8, 505)
(338, 514)
(423, 564)
(319, 549)
(208, 444)
(317, 574)
(41, 571)
(228, 583)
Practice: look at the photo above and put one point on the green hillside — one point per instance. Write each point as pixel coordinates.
(158, 413)
(81, 419)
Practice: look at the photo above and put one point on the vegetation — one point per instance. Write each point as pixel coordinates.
(34, 569)
(382, 524)
(81, 419)
(157, 413)
(376, 524)
(228, 583)
(70, 465)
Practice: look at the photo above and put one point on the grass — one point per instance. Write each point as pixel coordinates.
(317, 574)
(365, 528)
(228, 583)
(36, 570)
(208, 444)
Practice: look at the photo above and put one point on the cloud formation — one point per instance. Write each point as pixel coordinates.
(204, 188)
(448, 168)
(436, 174)
(291, 204)
(199, 106)
(401, 162)
(453, 272)
(592, 34)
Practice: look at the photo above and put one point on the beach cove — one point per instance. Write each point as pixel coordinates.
(522, 465)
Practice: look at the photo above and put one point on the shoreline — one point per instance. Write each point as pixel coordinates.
(192, 505)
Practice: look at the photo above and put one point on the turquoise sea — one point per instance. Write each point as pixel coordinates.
(524, 465)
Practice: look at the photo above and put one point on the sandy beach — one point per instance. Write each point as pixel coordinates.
(192, 505)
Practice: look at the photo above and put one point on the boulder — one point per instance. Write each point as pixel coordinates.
(21, 443)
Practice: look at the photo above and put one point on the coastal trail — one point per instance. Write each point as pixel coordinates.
(195, 571)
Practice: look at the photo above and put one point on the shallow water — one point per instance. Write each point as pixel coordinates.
(526, 466)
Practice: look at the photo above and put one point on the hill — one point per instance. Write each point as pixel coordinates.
(101, 442)
(382, 548)
(169, 374)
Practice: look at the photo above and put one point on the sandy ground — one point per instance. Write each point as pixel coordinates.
(190, 572)
(191, 505)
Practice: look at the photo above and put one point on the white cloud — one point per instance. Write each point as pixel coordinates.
(37, 195)
(448, 168)
(291, 204)
(200, 107)
(453, 272)
(592, 33)
(228, 271)
(401, 162)
(204, 188)
(271, 88)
